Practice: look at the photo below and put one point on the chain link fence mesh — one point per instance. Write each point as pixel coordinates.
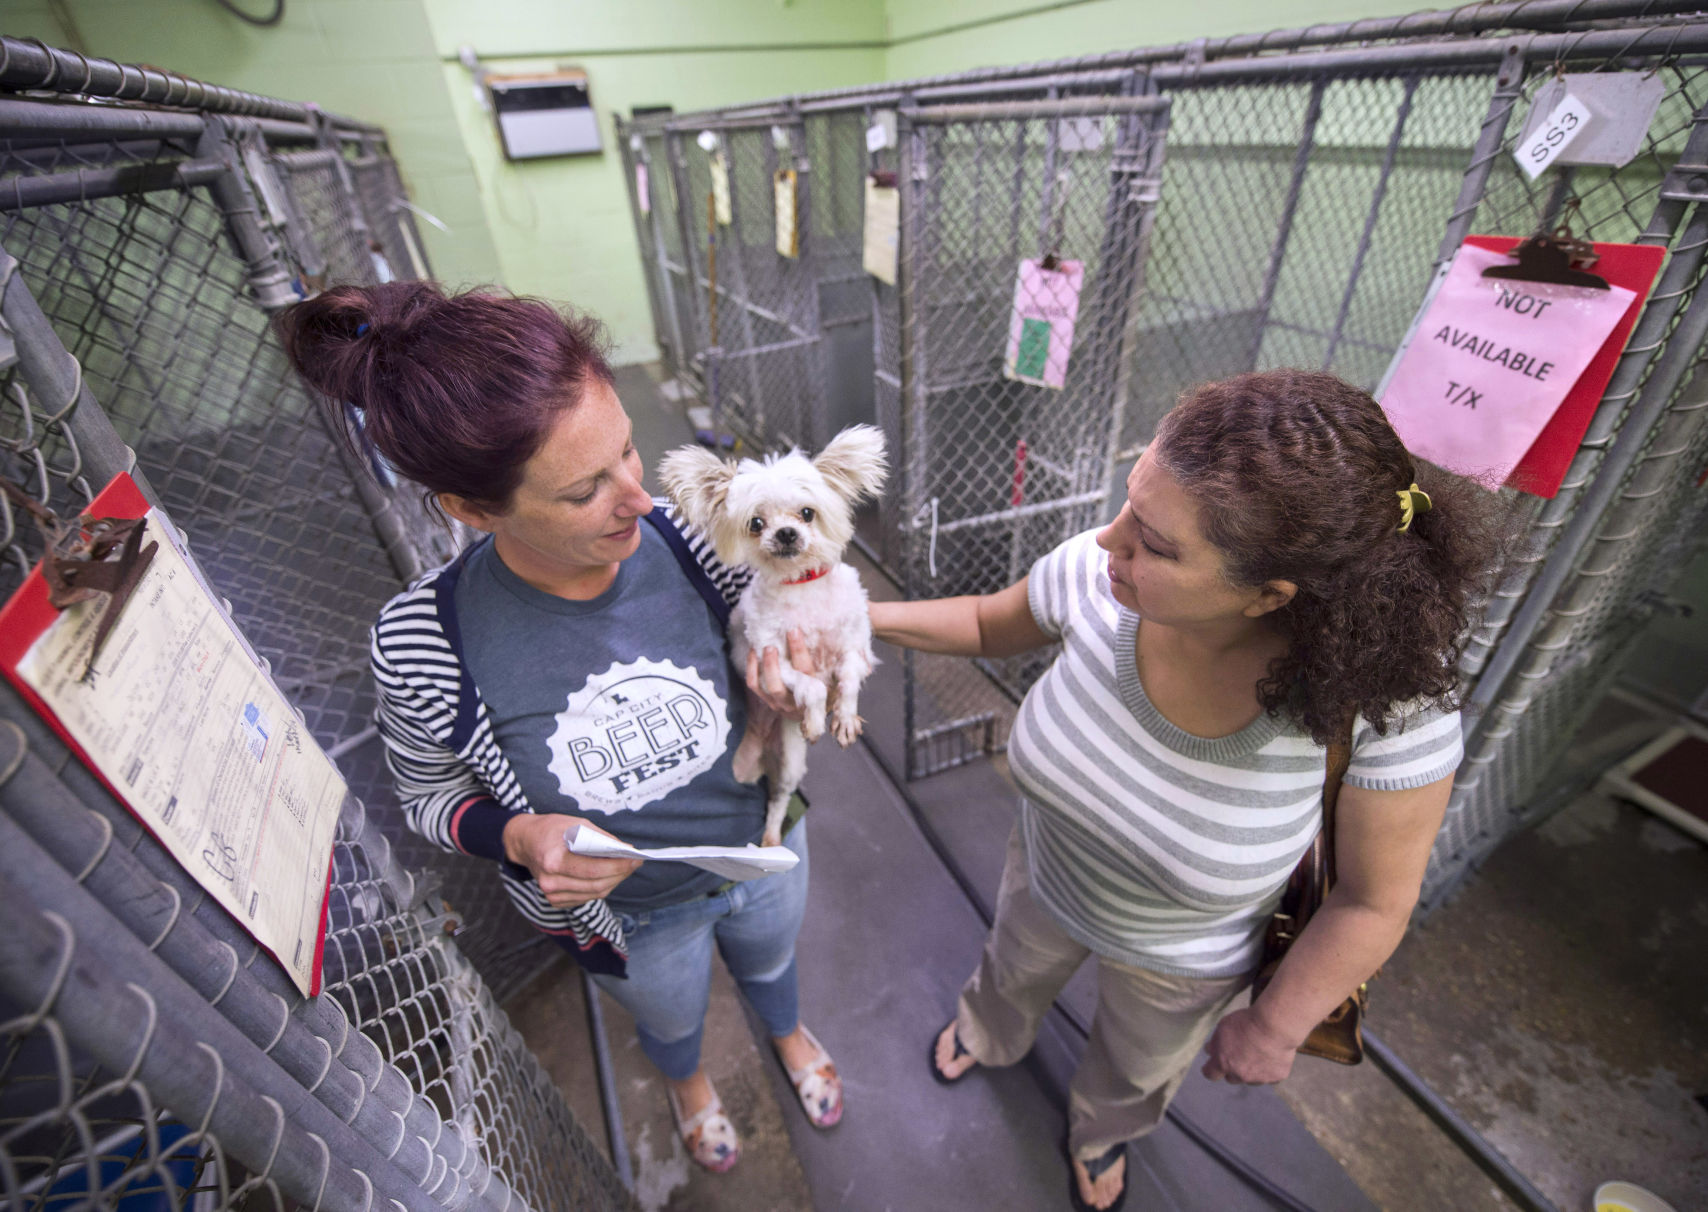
(1312, 184)
(1000, 461)
(1649, 521)
(145, 1044)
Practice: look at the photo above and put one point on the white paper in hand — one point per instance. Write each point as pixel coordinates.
(731, 862)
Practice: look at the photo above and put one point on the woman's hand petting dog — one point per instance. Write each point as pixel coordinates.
(765, 675)
(535, 841)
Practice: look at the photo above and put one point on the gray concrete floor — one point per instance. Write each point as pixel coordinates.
(1557, 1003)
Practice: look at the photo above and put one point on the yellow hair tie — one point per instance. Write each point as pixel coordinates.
(1413, 501)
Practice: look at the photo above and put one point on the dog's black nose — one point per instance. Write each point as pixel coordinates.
(786, 536)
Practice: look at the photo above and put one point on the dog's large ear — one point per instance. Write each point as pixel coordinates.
(854, 463)
(698, 481)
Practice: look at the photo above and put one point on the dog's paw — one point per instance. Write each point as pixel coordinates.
(772, 837)
(847, 729)
(812, 726)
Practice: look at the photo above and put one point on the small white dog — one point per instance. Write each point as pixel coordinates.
(789, 519)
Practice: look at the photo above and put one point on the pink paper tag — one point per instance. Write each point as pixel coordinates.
(641, 188)
(1040, 330)
(1490, 361)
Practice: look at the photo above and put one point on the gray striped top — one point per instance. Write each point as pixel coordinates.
(1152, 846)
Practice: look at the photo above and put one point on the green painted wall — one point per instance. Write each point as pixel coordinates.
(562, 225)
(930, 37)
(371, 59)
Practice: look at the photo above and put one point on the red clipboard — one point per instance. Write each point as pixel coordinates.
(1543, 467)
(28, 614)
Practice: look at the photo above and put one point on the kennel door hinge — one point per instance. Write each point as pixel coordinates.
(1686, 183)
(1146, 191)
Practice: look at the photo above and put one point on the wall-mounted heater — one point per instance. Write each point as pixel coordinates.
(544, 114)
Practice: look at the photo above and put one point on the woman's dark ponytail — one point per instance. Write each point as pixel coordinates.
(456, 391)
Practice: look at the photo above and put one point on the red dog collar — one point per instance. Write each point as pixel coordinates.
(814, 575)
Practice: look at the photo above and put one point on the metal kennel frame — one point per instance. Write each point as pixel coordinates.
(149, 1051)
(1293, 199)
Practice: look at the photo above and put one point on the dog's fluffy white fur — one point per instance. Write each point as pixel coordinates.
(787, 518)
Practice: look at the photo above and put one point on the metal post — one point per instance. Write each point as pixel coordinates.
(1016, 194)
(1049, 232)
(1375, 210)
(1284, 228)
(814, 433)
(284, 215)
(56, 377)
(1141, 187)
(687, 218)
(665, 304)
(607, 1075)
(1509, 83)
(911, 175)
(269, 279)
(341, 173)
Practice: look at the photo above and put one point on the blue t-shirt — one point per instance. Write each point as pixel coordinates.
(622, 709)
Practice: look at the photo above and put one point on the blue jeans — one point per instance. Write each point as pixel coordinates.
(753, 924)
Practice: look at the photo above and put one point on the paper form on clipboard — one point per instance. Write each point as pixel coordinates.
(193, 737)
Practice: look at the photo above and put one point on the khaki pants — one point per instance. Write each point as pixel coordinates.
(1147, 1028)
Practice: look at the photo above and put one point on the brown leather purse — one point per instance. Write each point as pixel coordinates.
(1340, 1036)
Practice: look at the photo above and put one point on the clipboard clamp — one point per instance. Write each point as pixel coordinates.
(79, 562)
(1557, 257)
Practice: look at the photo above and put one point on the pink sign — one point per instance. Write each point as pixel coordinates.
(1491, 360)
(1040, 329)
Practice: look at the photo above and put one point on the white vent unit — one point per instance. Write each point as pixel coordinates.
(544, 114)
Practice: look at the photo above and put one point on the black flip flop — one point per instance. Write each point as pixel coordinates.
(931, 1059)
(1093, 1168)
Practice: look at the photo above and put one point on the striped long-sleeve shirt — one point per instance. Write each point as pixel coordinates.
(1152, 846)
(456, 787)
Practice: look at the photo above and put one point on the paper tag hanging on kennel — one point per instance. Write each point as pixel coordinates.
(1040, 328)
(881, 237)
(721, 207)
(786, 188)
(1493, 357)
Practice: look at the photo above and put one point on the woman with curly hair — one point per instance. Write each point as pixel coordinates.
(1281, 576)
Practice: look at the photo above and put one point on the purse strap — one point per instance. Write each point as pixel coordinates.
(1309, 884)
(1339, 758)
